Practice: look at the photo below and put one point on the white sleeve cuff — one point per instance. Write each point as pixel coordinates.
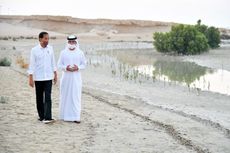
(30, 72)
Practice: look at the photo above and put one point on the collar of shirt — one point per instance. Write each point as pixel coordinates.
(42, 47)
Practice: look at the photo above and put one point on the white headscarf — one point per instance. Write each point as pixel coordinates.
(77, 45)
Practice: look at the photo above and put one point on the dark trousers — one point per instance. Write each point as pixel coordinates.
(43, 99)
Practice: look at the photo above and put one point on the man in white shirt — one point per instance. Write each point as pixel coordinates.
(42, 70)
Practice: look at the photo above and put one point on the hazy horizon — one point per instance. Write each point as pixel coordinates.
(181, 11)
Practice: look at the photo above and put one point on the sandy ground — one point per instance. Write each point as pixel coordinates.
(105, 127)
(118, 115)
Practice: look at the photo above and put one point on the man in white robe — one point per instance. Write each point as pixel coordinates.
(71, 62)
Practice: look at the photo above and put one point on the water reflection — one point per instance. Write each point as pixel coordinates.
(189, 74)
(144, 65)
(180, 71)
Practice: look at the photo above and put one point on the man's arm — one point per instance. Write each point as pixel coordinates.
(82, 62)
(54, 69)
(31, 69)
(60, 63)
(55, 77)
(31, 80)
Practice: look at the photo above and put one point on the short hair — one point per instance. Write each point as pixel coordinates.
(41, 34)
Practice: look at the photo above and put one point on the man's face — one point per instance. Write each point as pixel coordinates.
(72, 42)
(45, 40)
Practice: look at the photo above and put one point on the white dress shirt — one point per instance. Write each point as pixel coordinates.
(42, 63)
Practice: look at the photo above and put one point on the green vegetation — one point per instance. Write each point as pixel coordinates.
(187, 39)
(3, 100)
(5, 62)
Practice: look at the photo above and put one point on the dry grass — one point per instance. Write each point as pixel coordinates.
(22, 63)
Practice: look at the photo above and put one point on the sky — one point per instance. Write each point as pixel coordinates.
(211, 12)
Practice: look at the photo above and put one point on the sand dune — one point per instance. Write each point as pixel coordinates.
(7, 29)
(65, 24)
(68, 19)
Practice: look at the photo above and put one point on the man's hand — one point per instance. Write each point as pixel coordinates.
(72, 69)
(55, 77)
(31, 81)
(68, 68)
(75, 68)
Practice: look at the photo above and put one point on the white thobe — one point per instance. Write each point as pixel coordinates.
(71, 84)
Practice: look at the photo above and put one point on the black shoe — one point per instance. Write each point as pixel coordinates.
(40, 119)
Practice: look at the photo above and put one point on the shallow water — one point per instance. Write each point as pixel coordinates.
(190, 74)
(147, 64)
